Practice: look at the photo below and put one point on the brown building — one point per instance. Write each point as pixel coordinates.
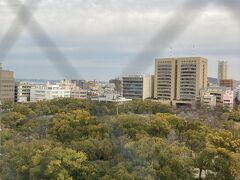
(227, 83)
(7, 85)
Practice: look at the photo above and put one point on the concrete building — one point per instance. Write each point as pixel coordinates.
(178, 80)
(7, 85)
(209, 100)
(48, 92)
(78, 93)
(80, 83)
(148, 86)
(217, 91)
(227, 83)
(22, 92)
(138, 87)
(228, 100)
(118, 85)
(64, 89)
(224, 96)
(222, 70)
(112, 98)
(238, 93)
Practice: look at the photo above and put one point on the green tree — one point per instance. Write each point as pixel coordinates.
(235, 116)
(14, 119)
(59, 163)
(65, 125)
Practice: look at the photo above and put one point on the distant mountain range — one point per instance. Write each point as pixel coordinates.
(212, 80)
(215, 81)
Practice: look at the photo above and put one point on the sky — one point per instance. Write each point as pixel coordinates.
(109, 38)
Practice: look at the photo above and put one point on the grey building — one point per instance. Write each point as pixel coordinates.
(22, 92)
(118, 85)
(138, 87)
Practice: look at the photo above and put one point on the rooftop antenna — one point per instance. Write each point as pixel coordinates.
(194, 50)
(171, 51)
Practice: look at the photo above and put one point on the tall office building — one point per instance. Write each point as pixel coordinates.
(138, 87)
(222, 70)
(7, 85)
(179, 80)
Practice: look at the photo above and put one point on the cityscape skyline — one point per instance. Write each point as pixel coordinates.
(113, 89)
(98, 45)
(92, 77)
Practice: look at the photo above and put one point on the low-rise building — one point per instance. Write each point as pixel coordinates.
(224, 97)
(48, 92)
(228, 100)
(64, 89)
(217, 91)
(112, 98)
(22, 92)
(78, 93)
(209, 100)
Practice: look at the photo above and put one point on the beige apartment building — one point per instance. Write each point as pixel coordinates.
(178, 81)
(7, 85)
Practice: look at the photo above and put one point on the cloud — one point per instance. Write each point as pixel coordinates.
(105, 36)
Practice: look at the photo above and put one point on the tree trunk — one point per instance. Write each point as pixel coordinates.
(200, 173)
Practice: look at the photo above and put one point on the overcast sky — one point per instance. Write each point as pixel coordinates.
(102, 37)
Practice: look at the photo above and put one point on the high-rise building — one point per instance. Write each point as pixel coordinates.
(222, 70)
(179, 80)
(7, 85)
(138, 87)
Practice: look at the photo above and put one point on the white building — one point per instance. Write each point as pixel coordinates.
(228, 100)
(64, 89)
(48, 92)
(209, 100)
(112, 98)
(224, 97)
